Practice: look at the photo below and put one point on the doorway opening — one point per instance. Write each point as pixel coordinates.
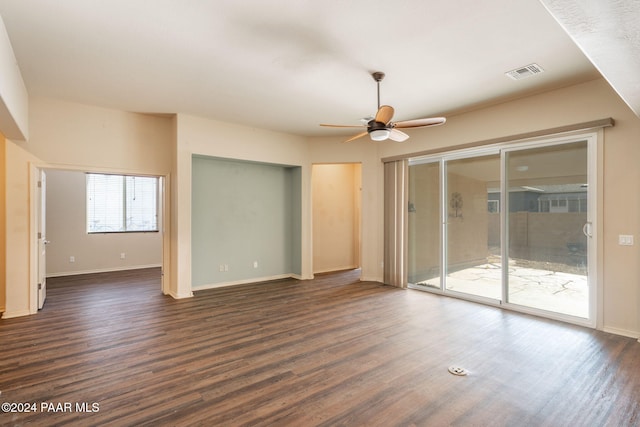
(64, 247)
(336, 212)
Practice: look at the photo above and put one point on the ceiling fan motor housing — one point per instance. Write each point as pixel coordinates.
(378, 131)
(373, 125)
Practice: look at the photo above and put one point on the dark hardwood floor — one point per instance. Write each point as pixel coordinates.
(330, 351)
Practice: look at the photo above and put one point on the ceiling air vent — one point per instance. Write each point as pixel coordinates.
(526, 71)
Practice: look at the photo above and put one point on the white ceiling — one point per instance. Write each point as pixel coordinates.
(288, 65)
(608, 32)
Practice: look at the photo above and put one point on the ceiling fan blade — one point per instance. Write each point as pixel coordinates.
(384, 114)
(341, 126)
(419, 123)
(360, 135)
(398, 135)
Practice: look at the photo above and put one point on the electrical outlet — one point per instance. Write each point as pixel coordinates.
(122, 255)
(72, 259)
(226, 267)
(221, 268)
(255, 264)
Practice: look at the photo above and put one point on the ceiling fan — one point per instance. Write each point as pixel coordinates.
(381, 127)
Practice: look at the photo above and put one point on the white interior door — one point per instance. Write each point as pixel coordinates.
(42, 238)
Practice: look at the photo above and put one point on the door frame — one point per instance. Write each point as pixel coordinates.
(41, 236)
(34, 251)
(165, 228)
(357, 218)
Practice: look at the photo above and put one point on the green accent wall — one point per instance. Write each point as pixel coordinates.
(242, 213)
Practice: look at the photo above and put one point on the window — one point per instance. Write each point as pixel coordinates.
(559, 206)
(119, 203)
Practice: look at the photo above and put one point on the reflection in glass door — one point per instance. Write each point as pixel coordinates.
(547, 224)
(463, 216)
(473, 257)
(424, 225)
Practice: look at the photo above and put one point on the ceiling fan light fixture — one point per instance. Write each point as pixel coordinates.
(380, 134)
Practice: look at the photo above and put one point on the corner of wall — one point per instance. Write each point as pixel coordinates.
(3, 224)
(14, 99)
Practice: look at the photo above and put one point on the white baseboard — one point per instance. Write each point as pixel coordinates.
(180, 296)
(12, 314)
(102, 270)
(623, 332)
(243, 282)
(335, 269)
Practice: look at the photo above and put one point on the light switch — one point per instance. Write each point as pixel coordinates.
(625, 240)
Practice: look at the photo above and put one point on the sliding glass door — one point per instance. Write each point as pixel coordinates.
(509, 225)
(547, 225)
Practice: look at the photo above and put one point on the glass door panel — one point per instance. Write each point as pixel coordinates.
(547, 199)
(473, 258)
(424, 225)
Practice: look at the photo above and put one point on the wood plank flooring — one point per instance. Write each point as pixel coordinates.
(331, 351)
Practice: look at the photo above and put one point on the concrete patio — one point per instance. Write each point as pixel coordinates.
(546, 289)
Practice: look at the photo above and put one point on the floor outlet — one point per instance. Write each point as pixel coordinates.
(456, 370)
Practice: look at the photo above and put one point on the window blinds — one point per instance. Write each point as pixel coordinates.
(121, 203)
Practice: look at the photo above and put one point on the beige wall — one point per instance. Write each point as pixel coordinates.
(3, 225)
(20, 300)
(66, 231)
(364, 152)
(336, 216)
(76, 137)
(69, 135)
